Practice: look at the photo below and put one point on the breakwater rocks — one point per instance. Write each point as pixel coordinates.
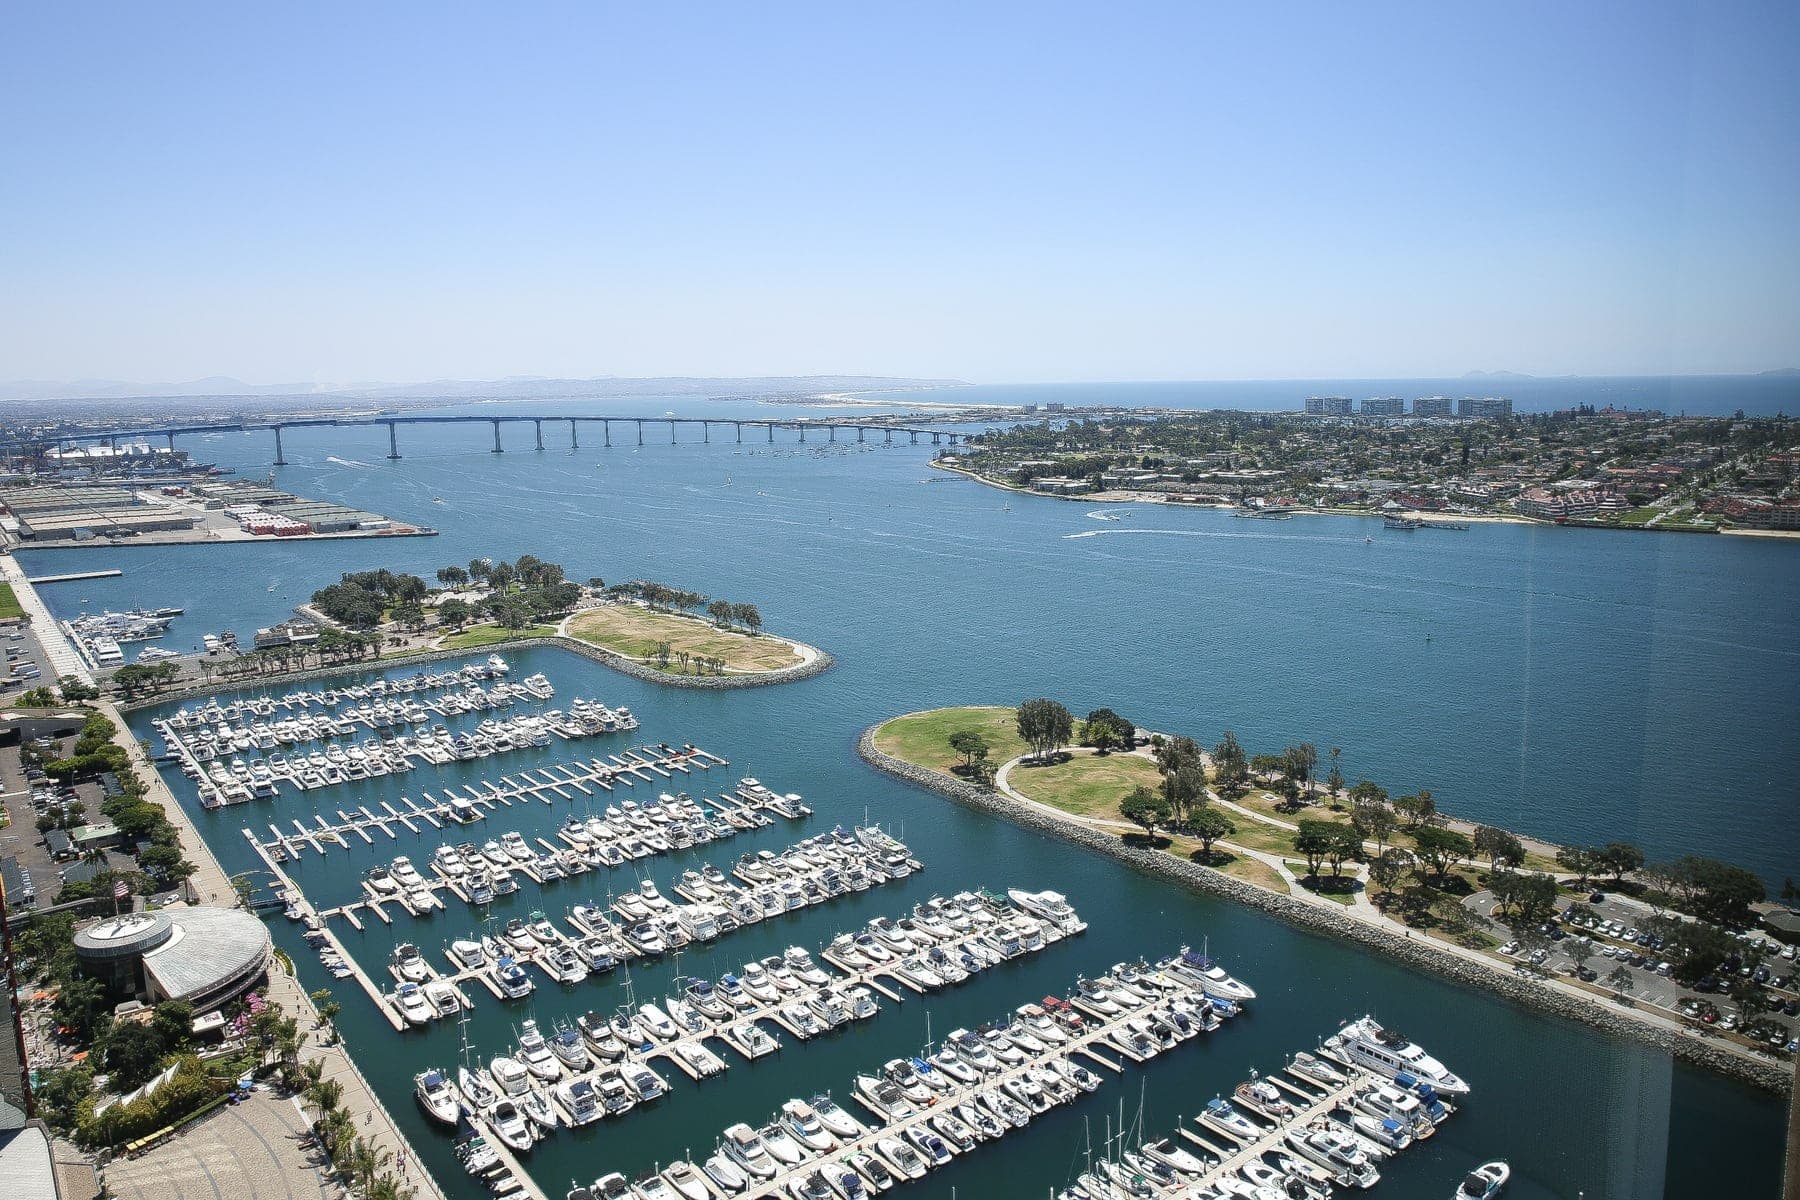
(1417, 952)
(818, 665)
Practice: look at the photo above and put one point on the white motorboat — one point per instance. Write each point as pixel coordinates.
(1484, 1182)
(745, 1148)
(1170, 1154)
(804, 1124)
(904, 1160)
(1335, 1150)
(511, 1125)
(438, 1096)
(1220, 1115)
(535, 1052)
(1384, 1051)
(413, 1006)
(510, 1074)
(580, 1101)
(726, 1175)
(687, 1181)
(841, 1124)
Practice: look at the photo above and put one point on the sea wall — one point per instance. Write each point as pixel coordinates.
(820, 663)
(1416, 952)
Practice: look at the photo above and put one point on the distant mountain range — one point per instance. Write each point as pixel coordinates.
(519, 387)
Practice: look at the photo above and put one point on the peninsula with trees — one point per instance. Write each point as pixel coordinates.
(1290, 823)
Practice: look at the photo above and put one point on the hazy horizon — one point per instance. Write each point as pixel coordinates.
(1027, 193)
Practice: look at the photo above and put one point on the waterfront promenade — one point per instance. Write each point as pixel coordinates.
(211, 885)
(63, 657)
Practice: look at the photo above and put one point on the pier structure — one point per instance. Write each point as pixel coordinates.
(798, 425)
(1094, 1044)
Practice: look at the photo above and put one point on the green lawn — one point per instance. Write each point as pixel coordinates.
(924, 738)
(635, 632)
(9, 604)
(487, 635)
(1087, 784)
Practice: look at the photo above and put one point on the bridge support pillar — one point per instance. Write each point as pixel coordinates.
(280, 461)
(540, 434)
(859, 435)
(771, 429)
(574, 438)
(496, 437)
(171, 443)
(934, 439)
(833, 433)
(803, 434)
(706, 431)
(640, 431)
(740, 430)
(393, 441)
(914, 435)
(606, 432)
(887, 435)
(671, 433)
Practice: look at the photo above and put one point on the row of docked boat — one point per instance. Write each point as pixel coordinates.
(976, 1087)
(211, 741)
(240, 779)
(248, 708)
(643, 923)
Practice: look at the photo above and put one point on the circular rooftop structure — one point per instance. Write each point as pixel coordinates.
(205, 956)
(117, 938)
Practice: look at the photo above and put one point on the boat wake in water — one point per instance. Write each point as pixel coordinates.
(346, 462)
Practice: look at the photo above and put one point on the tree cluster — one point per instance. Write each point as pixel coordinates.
(1106, 730)
(361, 599)
(1044, 725)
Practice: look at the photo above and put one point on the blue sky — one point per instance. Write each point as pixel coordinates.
(994, 192)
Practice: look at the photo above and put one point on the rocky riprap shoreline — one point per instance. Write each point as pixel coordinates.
(1416, 952)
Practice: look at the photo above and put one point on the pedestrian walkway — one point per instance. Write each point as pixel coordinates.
(64, 659)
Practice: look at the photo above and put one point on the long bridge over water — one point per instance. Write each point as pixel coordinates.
(632, 425)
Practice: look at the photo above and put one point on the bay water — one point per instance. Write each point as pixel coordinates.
(1579, 685)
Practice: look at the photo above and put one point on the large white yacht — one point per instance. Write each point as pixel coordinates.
(1207, 975)
(1365, 1043)
(1051, 906)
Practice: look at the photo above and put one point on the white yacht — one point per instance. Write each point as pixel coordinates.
(1209, 976)
(1365, 1043)
(1050, 906)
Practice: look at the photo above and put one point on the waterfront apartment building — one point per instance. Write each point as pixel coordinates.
(1484, 407)
(1384, 406)
(1328, 406)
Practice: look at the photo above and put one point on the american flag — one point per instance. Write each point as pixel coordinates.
(121, 889)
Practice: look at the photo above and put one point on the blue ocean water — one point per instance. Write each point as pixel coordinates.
(1581, 685)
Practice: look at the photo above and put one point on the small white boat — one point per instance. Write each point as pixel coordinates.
(1484, 1182)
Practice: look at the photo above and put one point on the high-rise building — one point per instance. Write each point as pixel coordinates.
(1431, 406)
(1484, 407)
(1384, 406)
(1328, 406)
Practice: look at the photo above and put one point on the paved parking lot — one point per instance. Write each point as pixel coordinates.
(1650, 987)
(248, 1149)
(16, 652)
